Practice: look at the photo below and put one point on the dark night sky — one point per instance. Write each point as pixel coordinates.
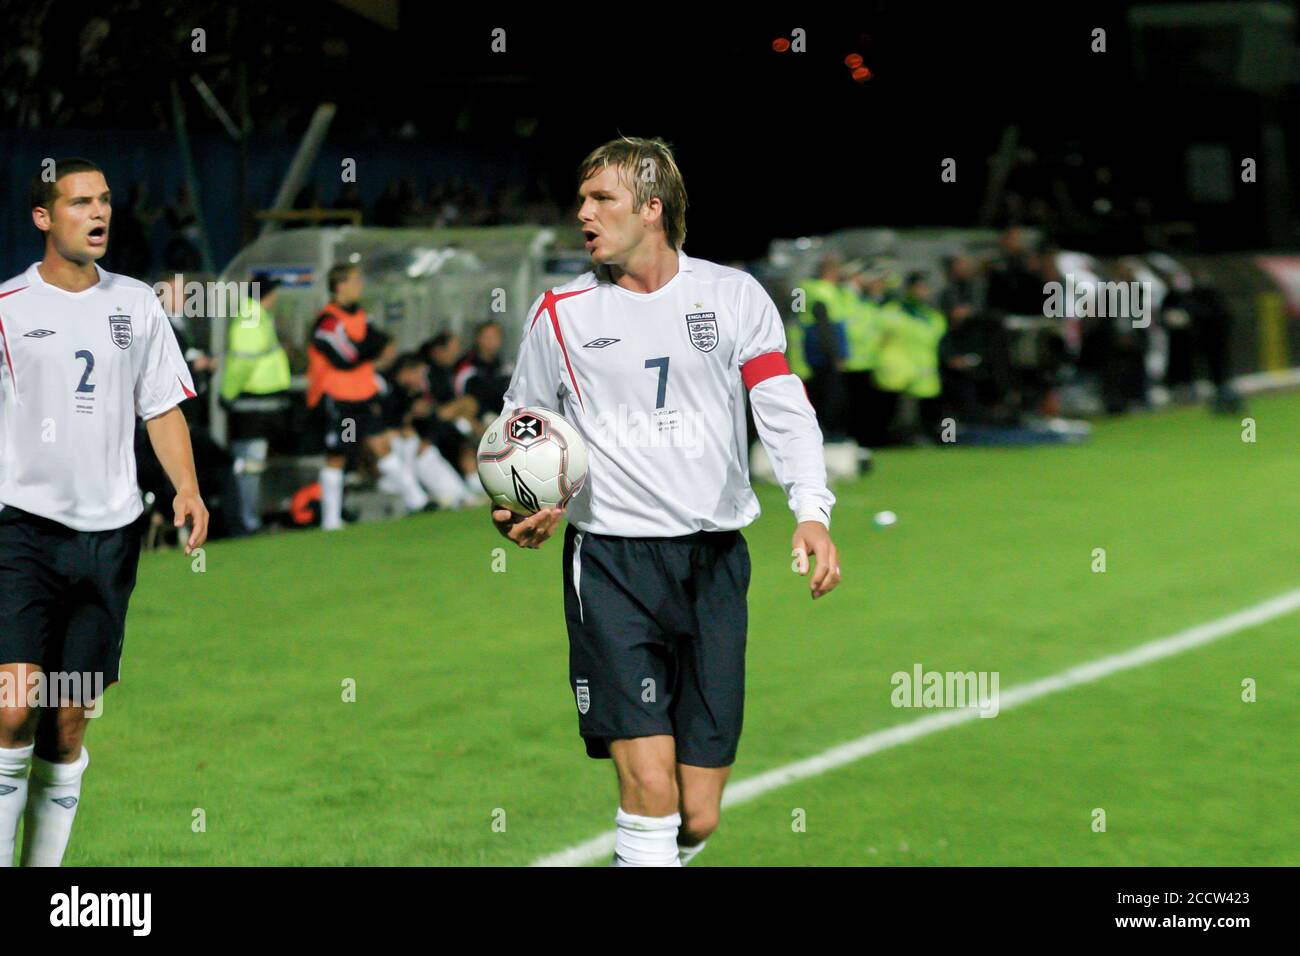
(787, 144)
(784, 145)
(771, 145)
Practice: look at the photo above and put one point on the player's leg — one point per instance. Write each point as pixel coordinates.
(700, 802)
(406, 444)
(331, 492)
(710, 699)
(338, 435)
(250, 445)
(621, 671)
(395, 477)
(439, 478)
(102, 566)
(31, 609)
(54, 792)
(647, 821)
(17, 736)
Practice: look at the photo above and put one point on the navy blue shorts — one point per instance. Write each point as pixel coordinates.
(349, 424)
(657, 630)
(63, 594)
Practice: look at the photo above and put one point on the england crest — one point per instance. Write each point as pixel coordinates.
(703, 329)
(584, 697)
(119, 329)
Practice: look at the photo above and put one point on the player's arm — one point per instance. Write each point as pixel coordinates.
(330, 338)
(787, 426)
(170, 437)
(535, 383)
(164, 383)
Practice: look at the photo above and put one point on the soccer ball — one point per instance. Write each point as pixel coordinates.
(530, 459)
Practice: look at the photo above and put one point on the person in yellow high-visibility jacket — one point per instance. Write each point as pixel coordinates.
(862, 321)
(255, 390)
(909, 351)
(794, 350)
(824, 343)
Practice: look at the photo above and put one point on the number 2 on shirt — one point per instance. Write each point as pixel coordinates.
(89, 357)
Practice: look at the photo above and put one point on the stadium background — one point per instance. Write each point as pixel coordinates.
(460, 715)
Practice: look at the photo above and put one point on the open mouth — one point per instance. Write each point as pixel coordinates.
(98, 236)
(590, 237)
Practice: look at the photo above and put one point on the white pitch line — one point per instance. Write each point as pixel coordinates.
(854, 750)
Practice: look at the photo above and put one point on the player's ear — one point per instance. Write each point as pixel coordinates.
(41, 216)
(652, 211)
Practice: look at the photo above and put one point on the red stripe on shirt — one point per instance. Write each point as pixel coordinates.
(763, 367)
(188, 393)
(4, 337)
(548, 302)
(550, 298)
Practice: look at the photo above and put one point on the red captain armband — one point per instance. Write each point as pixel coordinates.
(762, 368)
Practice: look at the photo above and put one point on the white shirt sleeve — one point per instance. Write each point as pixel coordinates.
(787, 424)
(164, 380)
(536, 379)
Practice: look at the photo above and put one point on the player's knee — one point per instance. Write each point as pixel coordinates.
(17, 725)
(698, 823)
(652, 788)
(60, 740)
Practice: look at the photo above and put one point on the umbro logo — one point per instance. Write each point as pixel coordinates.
(38, 333)
(67, 803)
(600, 343)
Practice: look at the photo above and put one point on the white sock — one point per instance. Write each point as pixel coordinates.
(646, 841)
(331, 498)
(52, 801)
(407, 447)
(440, 479)
(688, 853)
(402, 481)
(14, 764)
(250, 463)
(474, 485)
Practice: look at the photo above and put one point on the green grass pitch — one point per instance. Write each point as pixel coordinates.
(233, 681)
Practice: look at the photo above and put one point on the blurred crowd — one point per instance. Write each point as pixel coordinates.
(968, 353)
(454, 201)
(902, 357)
(405, 423)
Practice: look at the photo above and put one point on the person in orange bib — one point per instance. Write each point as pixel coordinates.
(342, 359)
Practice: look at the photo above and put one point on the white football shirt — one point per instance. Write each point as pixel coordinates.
(76, 369)
(655, 384)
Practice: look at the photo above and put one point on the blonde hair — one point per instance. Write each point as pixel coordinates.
(647, 168)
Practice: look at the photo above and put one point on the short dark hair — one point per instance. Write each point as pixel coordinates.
(266, 285)
(408, 360)
(44, 191)
(439, 341)
(485, 324)
(339, 274)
